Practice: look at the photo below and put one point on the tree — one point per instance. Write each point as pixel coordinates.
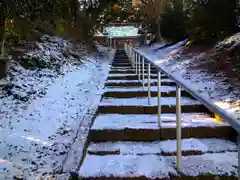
(204, 23)
(2, 26)
(173, 21)
(152, 10)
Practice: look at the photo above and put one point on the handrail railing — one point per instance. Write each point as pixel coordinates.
(136, 56)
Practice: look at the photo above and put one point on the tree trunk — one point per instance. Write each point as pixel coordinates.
(2, 27)
(159, 35)
(3, 61)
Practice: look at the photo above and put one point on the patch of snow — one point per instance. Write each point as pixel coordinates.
(235, 39)
(122, 70)
(143, 101)
(158, 147)
(137, 81)
(135, 89)
(130, 75)
(120, 31)
(209, 87)
(36, 134)
(149, 166)
(136, 121)
(204, 145)
(154, 167)
(217, 164)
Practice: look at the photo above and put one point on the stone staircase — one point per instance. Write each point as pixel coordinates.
(125, 141)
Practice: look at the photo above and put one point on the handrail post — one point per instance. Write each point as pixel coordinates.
(238, 137)
(178, 128)
(129, 51)
(143, 73)
(159, 99)
(125, 47)
(139, 67)
(149, 83)
(129, 55)
(136, 60)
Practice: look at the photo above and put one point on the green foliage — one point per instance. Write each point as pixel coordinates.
(173, 24)
(203, 21)
(212, 20)
(71, 18)
(117, 9)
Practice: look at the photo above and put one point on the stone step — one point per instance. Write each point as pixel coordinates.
(201, 167)
(191, 146)
(120, 167)
(117, 127)
(127, 63)
(121, 62)
(137, 83)
(120, 58)
(130, 67)
(121, 53)
(140, 105)
(127, 71)
(132, 77)
(133, 92)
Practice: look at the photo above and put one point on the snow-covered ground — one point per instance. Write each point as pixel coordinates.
(121, 31)
(43, 109)
(214, 87)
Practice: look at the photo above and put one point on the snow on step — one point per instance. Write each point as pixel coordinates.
(136, 81)
(150, 167)
(118, 121)
(133, 89)
(143, 101)
(133, 68)
(189, 146)
(115, 127)
(218, 164)
(122, 75)
(125, 71)
(130, 74)
(158, 167)
(128, 70)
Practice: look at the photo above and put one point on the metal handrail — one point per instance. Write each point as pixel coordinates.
(206, 102)
(135, 56)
